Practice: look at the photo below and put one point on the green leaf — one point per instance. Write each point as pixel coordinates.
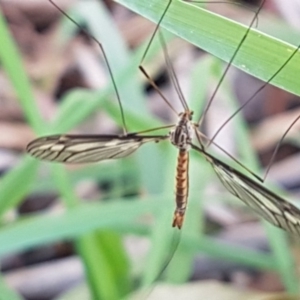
(39, 229)
(106, 264)
(13, 66)
(261, 55)
(16, 183)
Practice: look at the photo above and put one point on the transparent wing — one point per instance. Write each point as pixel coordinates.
(268, 205)
(86, 148)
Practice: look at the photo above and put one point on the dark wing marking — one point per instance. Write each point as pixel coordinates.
(268, 205)
(87, 148)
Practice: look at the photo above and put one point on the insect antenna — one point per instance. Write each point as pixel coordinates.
(142, 69)
(105, 59)
(230, 63)
(157, 89)
(154, 32)
(171, 72)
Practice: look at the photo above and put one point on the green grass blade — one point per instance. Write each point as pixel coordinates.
(97, 17)
(105, 264)
(283, 256)
(260, 55)
(74, 108)
(74, 223)
(222, 250)
(16, 183)
(112, 243)
(99, 263)
(12, 63)
(95, 262)
(64, 186)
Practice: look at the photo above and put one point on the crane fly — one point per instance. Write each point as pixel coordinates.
(95, 148)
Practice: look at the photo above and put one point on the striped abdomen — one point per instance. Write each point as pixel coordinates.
(182, 187)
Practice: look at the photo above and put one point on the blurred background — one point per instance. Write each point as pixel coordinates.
(103, 231)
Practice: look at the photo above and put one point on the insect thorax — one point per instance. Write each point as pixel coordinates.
(181, 136)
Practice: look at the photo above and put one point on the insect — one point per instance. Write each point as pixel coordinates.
(95, 148)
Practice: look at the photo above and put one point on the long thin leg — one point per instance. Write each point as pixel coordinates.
(105, 59)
